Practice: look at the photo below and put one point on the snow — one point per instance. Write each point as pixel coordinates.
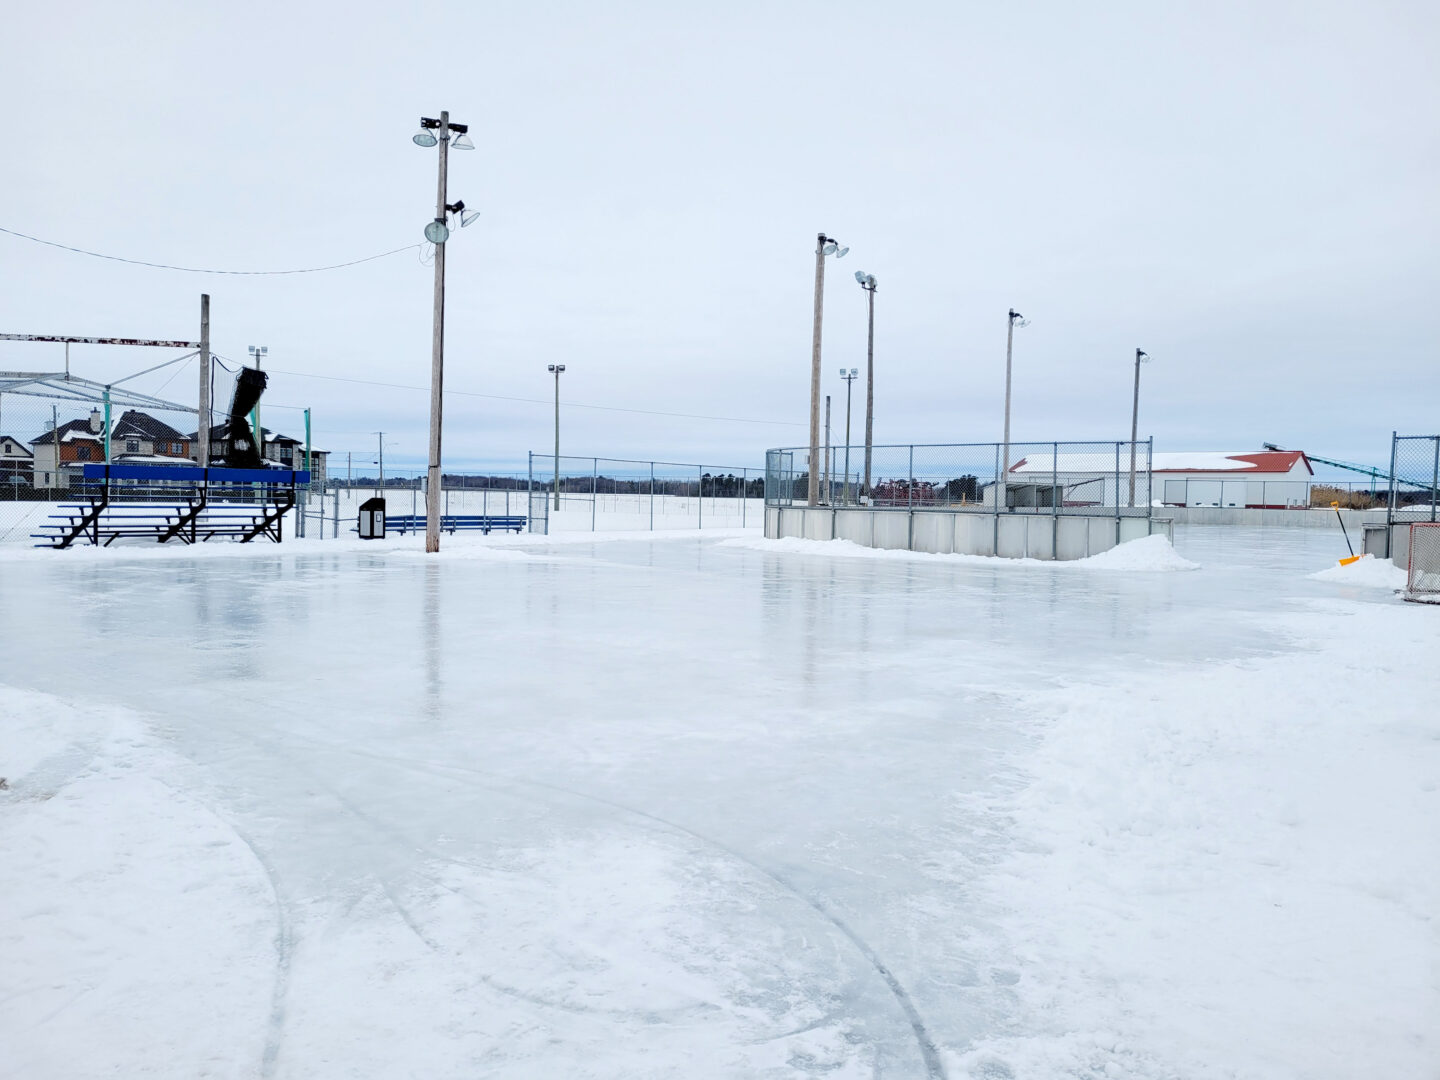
(695, 806)
(1145, 555)
(1367, 571)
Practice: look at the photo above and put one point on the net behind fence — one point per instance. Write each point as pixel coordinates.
(1081, 478)
(1423, 580)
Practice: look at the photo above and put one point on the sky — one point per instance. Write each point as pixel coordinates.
(1244, 190)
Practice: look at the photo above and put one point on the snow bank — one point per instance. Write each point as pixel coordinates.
(1148, 554)
(1368, 571)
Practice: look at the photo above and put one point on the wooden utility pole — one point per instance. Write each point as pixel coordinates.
(202, 419)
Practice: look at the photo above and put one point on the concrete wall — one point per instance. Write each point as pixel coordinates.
(1011, 536)
(1226, 515)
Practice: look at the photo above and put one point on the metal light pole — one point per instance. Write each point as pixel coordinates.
(202, 427)
(557, 369)
(1140, 354)
(849, 377)
(437, 232)
(867, 282)
(258, 353)
(1004, 478)
(824, 245)
(827, 449)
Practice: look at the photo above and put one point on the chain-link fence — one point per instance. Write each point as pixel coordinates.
(1103, 479)
(1414, 478)
(598, 494)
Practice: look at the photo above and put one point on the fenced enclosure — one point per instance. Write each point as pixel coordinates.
(1422, 583)
(1104, 479)
(596, 494)
(1414, 478)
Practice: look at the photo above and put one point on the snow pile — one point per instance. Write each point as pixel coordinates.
(1367, 571)
(1149, 553)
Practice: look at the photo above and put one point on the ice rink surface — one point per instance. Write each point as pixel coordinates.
(691, 807)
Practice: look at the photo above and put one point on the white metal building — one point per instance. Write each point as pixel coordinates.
(1273, 479)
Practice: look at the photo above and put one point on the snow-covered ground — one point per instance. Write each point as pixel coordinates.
(699, 805)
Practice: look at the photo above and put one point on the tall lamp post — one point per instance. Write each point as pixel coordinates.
(431, 133)
(867, 282)
(1140, 354)
(1015, 319)
(258, 353)
(849, 376)
(824, 245)
(557, 369)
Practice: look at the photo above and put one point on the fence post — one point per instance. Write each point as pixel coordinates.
(1435, 480)
(1149, 481)
(1055, 501)
(700, 498)
(999, 488)
(594, 489)
(744, 494)
(652, 496)
(1391, 515)
(1117, 492)
(910, 504)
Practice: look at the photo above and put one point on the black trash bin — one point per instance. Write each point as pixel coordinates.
(372, 519)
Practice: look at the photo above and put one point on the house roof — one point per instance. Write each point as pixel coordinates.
(272, 438)
(69, 431)
(18, 442)
(135, 424)
(1265, 461)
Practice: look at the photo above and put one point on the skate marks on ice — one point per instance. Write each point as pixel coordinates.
(664, 938)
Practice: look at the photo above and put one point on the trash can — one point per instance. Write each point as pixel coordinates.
(371, 525)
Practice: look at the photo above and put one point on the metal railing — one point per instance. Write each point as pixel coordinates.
(1095, 479)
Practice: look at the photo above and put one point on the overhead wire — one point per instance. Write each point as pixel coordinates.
(202, 270)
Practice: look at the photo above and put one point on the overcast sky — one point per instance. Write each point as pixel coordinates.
(1247, 191)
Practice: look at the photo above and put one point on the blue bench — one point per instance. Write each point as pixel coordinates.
(451, 523)
(177, 502)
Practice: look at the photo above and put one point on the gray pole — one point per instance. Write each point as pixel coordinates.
(1135, 422)
(826, 497)
(814, 498)
(869, 389)
(202, 418)
(437, 354)
(1005, 455)
(557, 369)
(849, 383)
(381, 490)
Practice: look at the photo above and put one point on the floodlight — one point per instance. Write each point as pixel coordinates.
(462, 143)
(860, 276)
(854, 372)
(467, 218)
(842, 253)
(423, 137)
(436, 232)
(827, 248)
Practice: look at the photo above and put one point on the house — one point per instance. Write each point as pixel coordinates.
(281, 449)
(60, 453)
(1270, 479)
(139, 438)
(136, 438)
(17, 463)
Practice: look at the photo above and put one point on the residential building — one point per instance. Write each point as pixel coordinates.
(17, 464)
(1270, 479)
(280, 449)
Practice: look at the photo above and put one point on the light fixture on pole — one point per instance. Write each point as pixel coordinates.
(1016, 319)
(849, 376)
(824, 245)
(556, 369)
(438, 132)
(1140, 355)
(867, 282)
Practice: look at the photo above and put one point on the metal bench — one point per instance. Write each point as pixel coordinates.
(451, 523)
(239, 504)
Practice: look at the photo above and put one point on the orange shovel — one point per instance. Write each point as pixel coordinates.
(1353, 557)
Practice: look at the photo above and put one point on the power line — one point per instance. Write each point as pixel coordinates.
(539, 401)
(198, 270)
